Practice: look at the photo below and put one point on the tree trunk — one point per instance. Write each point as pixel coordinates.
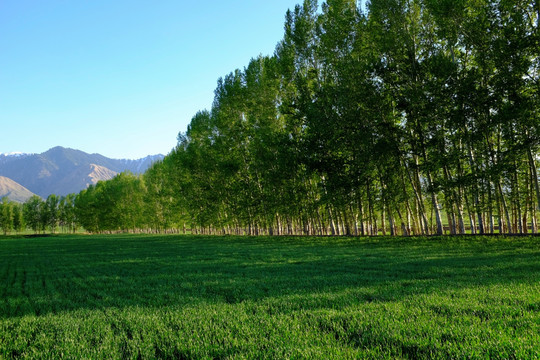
(534, 175)
(391, 221)
(471, 215)
(490, 209)
(418, 195)
(361, 210)
(435, 204)
(517, 201)
(383, 224)
(331, 220)
(505, 207)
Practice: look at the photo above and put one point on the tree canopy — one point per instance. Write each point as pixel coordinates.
(408, 117)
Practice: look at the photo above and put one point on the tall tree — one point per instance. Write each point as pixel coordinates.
(32, 209)
(6, 215)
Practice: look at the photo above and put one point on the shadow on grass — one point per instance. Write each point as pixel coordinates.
(65, 273)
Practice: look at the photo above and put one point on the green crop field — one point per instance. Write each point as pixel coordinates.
(195, 297)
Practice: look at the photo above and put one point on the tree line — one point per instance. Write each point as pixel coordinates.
(412, 117)
(49, 215)
(403, 117)
(126, 203)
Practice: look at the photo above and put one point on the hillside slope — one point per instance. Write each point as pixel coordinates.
(63, 171)
(14, 191)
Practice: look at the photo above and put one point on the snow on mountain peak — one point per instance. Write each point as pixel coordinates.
(13, 153)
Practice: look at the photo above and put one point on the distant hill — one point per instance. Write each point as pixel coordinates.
(14, 191)
(63, 171)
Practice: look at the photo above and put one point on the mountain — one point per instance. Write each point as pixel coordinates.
(63, 171)
(14, 191)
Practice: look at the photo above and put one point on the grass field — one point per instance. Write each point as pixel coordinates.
(194, 297)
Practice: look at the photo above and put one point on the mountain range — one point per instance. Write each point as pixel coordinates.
(60, 171)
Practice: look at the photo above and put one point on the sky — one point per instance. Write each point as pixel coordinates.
(121, 78)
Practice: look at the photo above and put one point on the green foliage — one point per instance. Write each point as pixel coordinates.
(7, 215)
(412, 117)
(66, 210)
(42, 216)
(362, 123)
(114, 205)
(18, 219)
(200, 297)
(32, 210)
(51, 212)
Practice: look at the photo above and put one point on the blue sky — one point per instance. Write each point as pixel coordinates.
(121, 77)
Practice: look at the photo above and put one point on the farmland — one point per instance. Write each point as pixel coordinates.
(196, 297)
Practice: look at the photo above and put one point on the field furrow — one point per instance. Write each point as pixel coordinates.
(195, 297)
